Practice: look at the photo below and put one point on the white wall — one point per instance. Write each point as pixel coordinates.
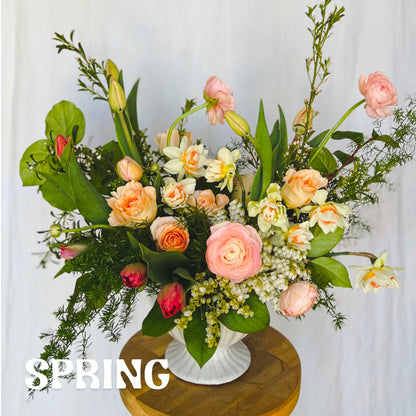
(258, 48)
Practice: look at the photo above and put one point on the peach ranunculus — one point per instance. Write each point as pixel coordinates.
(176, 194)
(221, 99)
(169, 234)
(234, 251)
(300, 187)
(379, 94)
(132, 204)
(208, 201)
(175, 140)
(298, 298)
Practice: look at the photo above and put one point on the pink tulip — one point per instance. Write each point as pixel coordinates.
(134, 275)
(60, 143)
(171, 299)
(70, 251)
(220, 97)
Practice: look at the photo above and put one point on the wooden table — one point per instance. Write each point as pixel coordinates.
(270, 387)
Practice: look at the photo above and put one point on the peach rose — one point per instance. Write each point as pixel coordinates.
(175, 140)
(300, 187)
(298, 298)
(207, 200)
(132, 204)
(379, 94)
(169, 234)
(234, 251)
(221, 100)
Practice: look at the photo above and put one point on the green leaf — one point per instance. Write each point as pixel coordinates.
(323, 243)
(195, 335)
(92, 206)
(68, 267)
(160, 266)
(283, 131)
(239, 323)
(181, 272)
(135, 245)
(279, 145)
(324, 163)
(264, 150)
(57, 191)
(355, 136)
(343, 157)
(62, 119)
(35, 156)
(326, 270)
(387, 140)
(122, 141)
(155, 324)
(132, 106)
(256, 186)
(275, 134)
(317, 140)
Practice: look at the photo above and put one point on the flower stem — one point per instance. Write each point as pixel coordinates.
(193, 110)
(352, 253)
(333, 130)
(89, 227)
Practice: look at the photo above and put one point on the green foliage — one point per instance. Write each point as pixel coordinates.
(155, 324)
(323, 243)
(57, 191)
(324, 162)
(327, 301)
(260, 320)
(326, 270)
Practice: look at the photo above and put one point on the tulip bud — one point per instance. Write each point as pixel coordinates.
(300, 121)
(116, 97)
(70, 251)
(129, 169)
(237, 123)
(134, 275)
(55, 230)
(111, 70)
(60, 143)
(171, 299)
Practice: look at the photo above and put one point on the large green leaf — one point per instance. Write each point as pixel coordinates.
(323, 243)
(324, 162)
(263, 148)
(57, 191)
(239, 323)
(35, 156)
(343, 157)
(355, 136)
(326, 270)
(155, 324)
(388, 140)
(195, 335)
(317, 140)
(62, 119)
(279, 145)
(161, 266)
(256, 185)
(132, 106)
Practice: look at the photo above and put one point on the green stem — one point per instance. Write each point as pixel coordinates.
(334, 129)
(126, 132)
(193, 110)
(352, 253)
(89, 227)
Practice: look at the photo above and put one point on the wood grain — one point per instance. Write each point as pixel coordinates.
(270, 387)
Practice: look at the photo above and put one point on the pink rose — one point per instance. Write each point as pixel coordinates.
(70, 251)
(300, 187)
(221, 99)
(134, 275)
(234, 251)
(298, 298)
(379, 94)
(169, 234)
(171, 299)
(129, 169)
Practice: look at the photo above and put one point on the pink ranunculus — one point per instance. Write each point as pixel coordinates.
(134, 275)
(379, 94)
(221, 99)
(234, 251)
(298, 298)
(60, 143)
(171, 299)
(70, 251)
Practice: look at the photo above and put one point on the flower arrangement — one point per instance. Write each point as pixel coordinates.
(214, 237)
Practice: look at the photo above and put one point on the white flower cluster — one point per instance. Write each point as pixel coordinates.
(237, 212)
(282, 265)
(218, 217)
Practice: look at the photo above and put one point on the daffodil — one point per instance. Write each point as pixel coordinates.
(223, 168)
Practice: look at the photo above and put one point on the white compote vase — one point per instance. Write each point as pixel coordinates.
(230, 360)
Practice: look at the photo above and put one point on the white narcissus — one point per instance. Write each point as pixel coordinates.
(223, 168)
(376, 276)
(176, 194)
(299, 236)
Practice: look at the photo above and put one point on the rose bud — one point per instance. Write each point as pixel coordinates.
(237, 123)
(134, 275)
(129, 169)
(60, 143)
(111, 70)
(298, 298)
(116, 97)
(70, 251)
(171, 299)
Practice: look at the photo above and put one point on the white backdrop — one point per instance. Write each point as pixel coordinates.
(258, 48)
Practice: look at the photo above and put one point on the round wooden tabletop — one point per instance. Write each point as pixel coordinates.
(270, 387)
